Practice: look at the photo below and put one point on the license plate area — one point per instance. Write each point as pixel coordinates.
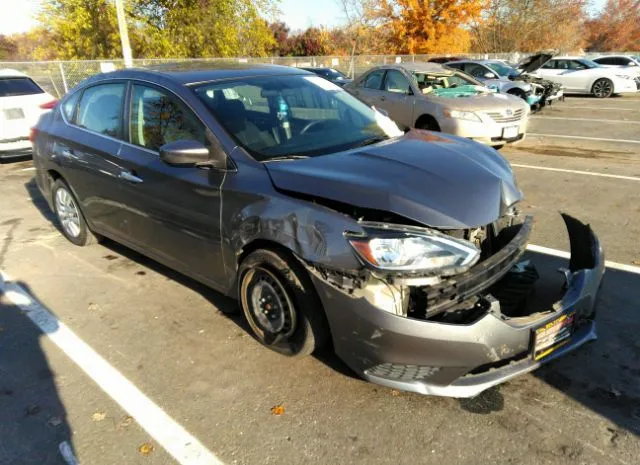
(13, 113)
(510, 132)
(553, 335)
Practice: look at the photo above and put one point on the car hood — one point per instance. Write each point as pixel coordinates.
(437, 180)
(486, 101)
(537, 61)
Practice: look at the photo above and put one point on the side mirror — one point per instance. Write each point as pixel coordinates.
(189, 153)
(489, 75)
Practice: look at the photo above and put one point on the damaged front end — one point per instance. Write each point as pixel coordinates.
(543, 91)
(473, 326)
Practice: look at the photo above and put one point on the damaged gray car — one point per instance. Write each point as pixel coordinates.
(332, 228)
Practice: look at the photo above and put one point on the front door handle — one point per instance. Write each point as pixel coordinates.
(127, 176)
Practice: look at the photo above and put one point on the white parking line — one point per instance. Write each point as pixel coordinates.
(563, 254)
(31, 168)
(185, 448)
(587, 173)
(602, 108)
(587, 119)
(628, 141)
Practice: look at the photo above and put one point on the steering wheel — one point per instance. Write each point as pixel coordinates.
(319, 122)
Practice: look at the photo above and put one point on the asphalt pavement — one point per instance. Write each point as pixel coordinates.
(185, 375)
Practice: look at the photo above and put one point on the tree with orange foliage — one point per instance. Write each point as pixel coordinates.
(616, 28)
(429, 26)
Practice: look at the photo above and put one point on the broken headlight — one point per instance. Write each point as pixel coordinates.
(413, 251)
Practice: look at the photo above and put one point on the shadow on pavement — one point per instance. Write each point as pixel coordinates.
(39, 201)
(604, 375)
(33, 420)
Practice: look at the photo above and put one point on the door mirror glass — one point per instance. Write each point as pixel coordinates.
(185, 153)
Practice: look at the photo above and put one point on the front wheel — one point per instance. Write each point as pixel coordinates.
(69, 216)
(280, 304)
(602, 88)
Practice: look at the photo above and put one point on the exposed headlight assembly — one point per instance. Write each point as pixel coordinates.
(423, 251)
(459, 114)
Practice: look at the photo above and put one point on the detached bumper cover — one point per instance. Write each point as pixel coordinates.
(462, 360)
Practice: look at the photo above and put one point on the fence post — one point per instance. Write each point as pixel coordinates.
(64, 79)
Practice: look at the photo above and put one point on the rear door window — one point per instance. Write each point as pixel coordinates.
(374, 80)
(69, 106)
(100, 109)
(13, 86)
(158, 117)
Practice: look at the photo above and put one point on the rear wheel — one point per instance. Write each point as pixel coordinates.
(602, 88)
(280, 304)
(69, 216)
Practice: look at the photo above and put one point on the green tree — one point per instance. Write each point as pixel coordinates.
(203, 28)
(81, 29)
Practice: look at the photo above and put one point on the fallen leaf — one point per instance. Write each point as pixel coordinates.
(395, 393)
(54, 421)
(93, 307)
(636, 262)
(98, 416)
(277, 410)
(126, 421)
(145, 449)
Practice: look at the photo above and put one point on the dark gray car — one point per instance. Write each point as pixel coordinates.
(402, 252)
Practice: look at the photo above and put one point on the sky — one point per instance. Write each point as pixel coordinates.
(298, 14)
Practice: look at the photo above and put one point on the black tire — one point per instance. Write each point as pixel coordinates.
(301, 326)
(602, 88)
(499, 147)
(83, 236)
(518, 93)
(428, 123)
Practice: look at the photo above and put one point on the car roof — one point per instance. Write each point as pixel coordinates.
(7, 72)
(186, 73)
(612, 56)
(419, 66)
(569, 57)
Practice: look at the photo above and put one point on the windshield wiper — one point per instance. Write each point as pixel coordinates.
(286, 157)
(370, 141)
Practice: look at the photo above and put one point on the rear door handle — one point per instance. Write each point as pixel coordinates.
(129, 177)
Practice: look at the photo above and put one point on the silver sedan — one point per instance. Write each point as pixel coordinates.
(431, 96)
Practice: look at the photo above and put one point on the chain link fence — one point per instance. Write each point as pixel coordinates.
(58, 77)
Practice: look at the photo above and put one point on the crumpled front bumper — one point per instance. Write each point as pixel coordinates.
(462, 360)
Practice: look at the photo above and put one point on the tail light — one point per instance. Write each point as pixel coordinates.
(33, 134)
(49, 105)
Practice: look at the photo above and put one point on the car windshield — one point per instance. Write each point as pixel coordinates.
(293, 116)
(502, 70)
(433, 81)
(334, 74)
(590, 64)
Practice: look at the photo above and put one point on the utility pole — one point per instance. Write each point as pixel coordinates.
(124, 34)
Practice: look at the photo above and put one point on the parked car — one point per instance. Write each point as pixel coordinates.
(22, 102)
(496, 75)
(431, 96)
(627, 62)
(581, 76)
(442, 60)
(330, 74)
(326, 222)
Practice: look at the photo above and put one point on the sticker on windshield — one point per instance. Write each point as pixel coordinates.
(322, 83)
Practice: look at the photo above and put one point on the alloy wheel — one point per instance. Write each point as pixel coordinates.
(602, 88)
(68, 213)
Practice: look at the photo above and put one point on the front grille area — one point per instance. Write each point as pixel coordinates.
(504, 117)
(398, 372)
